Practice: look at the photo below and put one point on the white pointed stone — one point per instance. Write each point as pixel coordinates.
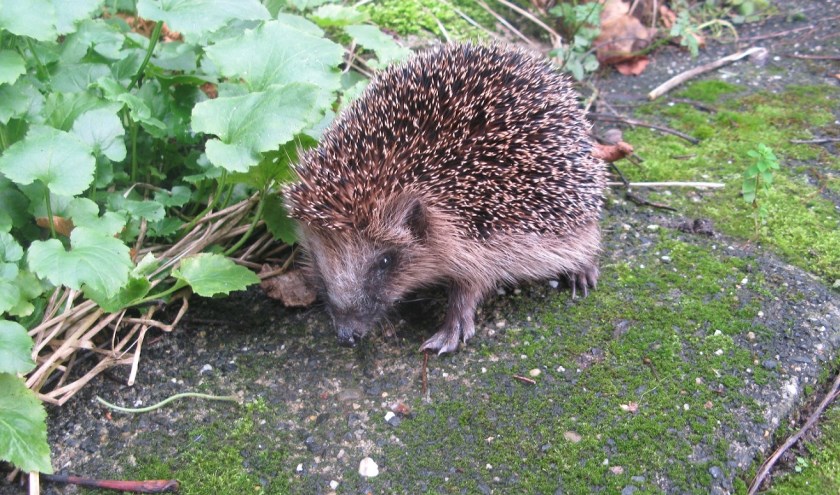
(368, 468)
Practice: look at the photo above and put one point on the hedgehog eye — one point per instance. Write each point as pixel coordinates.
(385, 262)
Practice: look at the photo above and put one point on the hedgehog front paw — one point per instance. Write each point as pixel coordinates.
(447, 338)
(584, 280)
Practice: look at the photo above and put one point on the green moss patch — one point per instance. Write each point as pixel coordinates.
(816, 473)
(411, 17)
(638, 385)
(803, 224)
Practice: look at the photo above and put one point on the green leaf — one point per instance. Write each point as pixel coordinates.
(148, 209)
(278, 221)
(372, 38)
(257, 122)
(15, 348)
(33, 18)
(287, 55)
(99, 261)
(69, 13)
(10, 250)
(28, 287)
(76, 78)
(179, 196)
(275, 165)
(195, 18)
(300, 23)
(302, 5)
(56, 158)
(23, 427)
(102, 130)
(9, 293)
(61, 109)
(767, 179)
(135, 290)
(11, 67)
(18, 100)
(211, 274)
(337, 15)
(85, 213)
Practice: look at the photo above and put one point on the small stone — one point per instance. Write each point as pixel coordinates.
(718, 332)
(561, 369)
(333, 484)
(761, 314)
(750, 336)
(653, 226)
(572, 436)
(745, 281)
(716, 472)
(666, 259)
(489, 467)
(389, 415)
(299, 469)
(719, 352)
(686, 407)
(769, 364)
(553, 284)
(637, 479)
(629, 490)
(535, 372)
(205, 369)
(617, 470)
(368, 468)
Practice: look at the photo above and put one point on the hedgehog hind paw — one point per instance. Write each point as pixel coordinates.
(584, 280)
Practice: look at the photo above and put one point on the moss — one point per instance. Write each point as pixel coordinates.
(708, 91)
(411, 17)
(679, 359)
(229, 455)
(802, 225)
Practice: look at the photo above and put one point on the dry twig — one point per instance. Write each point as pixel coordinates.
(675, 81)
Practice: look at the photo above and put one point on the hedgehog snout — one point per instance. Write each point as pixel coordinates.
(349, 328)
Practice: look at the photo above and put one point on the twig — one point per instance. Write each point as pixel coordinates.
(524, 379)
(423, 372)
(504, 22)
(696, 185)
(555, 35)
(617, 118)
(765, 469)
(812, 57)
(148, 486)
(815, 141)
(690, 74)
(633, 197)
(132, 410)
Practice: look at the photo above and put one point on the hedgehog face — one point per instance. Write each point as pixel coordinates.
(361, 273)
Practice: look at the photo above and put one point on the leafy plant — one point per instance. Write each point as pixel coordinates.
(758, 178)
(132, 166)
(580, 25)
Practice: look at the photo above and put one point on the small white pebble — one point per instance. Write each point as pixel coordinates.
(484, 370)
(750, 336)
(719, 352)
(553, 284)
(489, 467)
(686, 407)
(500, 291)
(666, 259)
(606, 462)
(205, 369)
(333, 484)
(535, 372)
(653, 226)
(389, 415)
(523, 356)
(444, 374)
(744, 281)
(718, 332)
(368, 468)
(299, 468)
(517, 291)
(761, 314)
(561, 369)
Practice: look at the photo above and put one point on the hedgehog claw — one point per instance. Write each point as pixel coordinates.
(584, 280)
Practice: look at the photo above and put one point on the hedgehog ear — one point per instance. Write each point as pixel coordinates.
(410, 213)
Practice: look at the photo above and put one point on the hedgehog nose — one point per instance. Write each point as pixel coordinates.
(345, 337)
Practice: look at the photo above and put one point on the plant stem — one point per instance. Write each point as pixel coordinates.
(221, 184)
(49, 212)
(43, 73)
(134, 128)
(228, 398)
(180, 284)
(152, 43)
(254, 223)
(3, 138)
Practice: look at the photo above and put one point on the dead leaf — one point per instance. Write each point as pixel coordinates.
(629, 407)
(617, 470)
(633, 67)
(62, 225)
(400, 408)
(667, 16)
(290, 288)
(622, 35)
(612, 152)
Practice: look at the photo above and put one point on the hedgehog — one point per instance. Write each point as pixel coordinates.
(468, 166)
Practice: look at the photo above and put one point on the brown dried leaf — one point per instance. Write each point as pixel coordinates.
(667, 16)
(633, 67)
(622, 35)
(290, 288)
(612, 152)
(62, 225)
(631, 407)
(400, 409)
